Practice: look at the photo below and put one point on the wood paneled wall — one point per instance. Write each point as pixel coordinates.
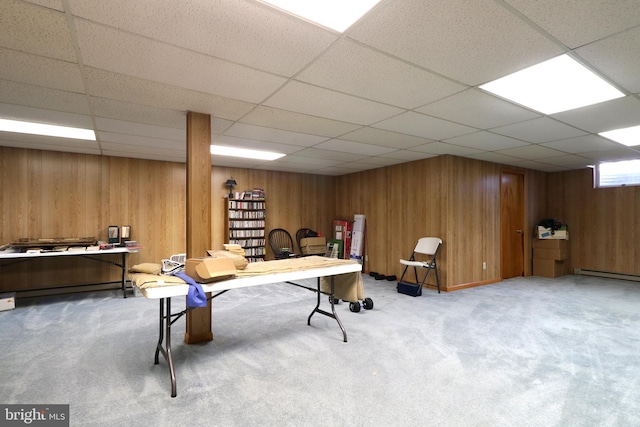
(53, 194)
(400, 203)
(456, 199)
(50, 194)
(603, 223)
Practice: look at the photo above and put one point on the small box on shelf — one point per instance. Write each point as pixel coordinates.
(548, 233)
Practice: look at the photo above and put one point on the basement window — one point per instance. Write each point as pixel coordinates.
(618, 174)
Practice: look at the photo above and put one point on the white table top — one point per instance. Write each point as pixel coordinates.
(243, 282)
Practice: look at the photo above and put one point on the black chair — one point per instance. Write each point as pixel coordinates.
(281, 243)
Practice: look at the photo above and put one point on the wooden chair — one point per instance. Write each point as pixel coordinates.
(281, 243)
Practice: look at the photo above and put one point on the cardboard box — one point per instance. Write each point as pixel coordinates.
(550, 244)
(546, 233)
(313, 245)
(7, 301)
(550, 268)
(559, 254)
(210, 269)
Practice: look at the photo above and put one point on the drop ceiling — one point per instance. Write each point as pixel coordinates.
(400, 85)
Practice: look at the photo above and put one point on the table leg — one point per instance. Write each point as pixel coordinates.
(333, 313)
(165, 330)
(124, 269)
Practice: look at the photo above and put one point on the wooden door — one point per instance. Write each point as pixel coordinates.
(511, 224)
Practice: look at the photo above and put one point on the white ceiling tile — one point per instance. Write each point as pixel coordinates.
(40, 71)
(337, 170)
(272, 81)
(297, 122)
(485, 141)
(423, 126)
(231, 141)
(621, 153)
(409, 156)
(124, 53)
(385, 138)
(242, 32)
(582, 144)
(119, 143)
(33, 29)
(380, 161)
(236, 162)
(330, 155)
(292, 168)
(147, 134)
(444, 148)
(51, 4)
(539, 130)
(617, 57)
(244, 130)
(125, 112)
(461, 39)
(536, 165)
(42, 98)
(357, 70)
(478, 109)
(531, 152)
(493, 157)
(614, 114)
(105, 84)
(357, 166)
(145, 155)
(578, 22)
(568, 161)
(354, 147)
(30, 114)
(39, 142)
(306, 162)
(295, 96)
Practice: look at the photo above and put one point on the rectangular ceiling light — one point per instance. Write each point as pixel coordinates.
(46, 130)
(219, 150)
(335, 14)
(556, 85)
(626, 136)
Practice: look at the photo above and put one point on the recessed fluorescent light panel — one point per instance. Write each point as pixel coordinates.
(627, 136)
(219, 150)
(335, 14)
(46, 130)
(556, 85)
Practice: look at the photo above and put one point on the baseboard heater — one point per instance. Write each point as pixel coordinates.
(621, 276)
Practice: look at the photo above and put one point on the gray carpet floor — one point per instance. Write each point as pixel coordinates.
(527, 352)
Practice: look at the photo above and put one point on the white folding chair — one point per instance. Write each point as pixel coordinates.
(428, 246)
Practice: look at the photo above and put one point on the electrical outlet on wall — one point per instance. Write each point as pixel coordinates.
(484, 265)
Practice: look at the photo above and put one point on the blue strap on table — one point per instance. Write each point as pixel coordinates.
(196, 296)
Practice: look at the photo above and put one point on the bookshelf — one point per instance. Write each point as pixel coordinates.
(245, 219)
